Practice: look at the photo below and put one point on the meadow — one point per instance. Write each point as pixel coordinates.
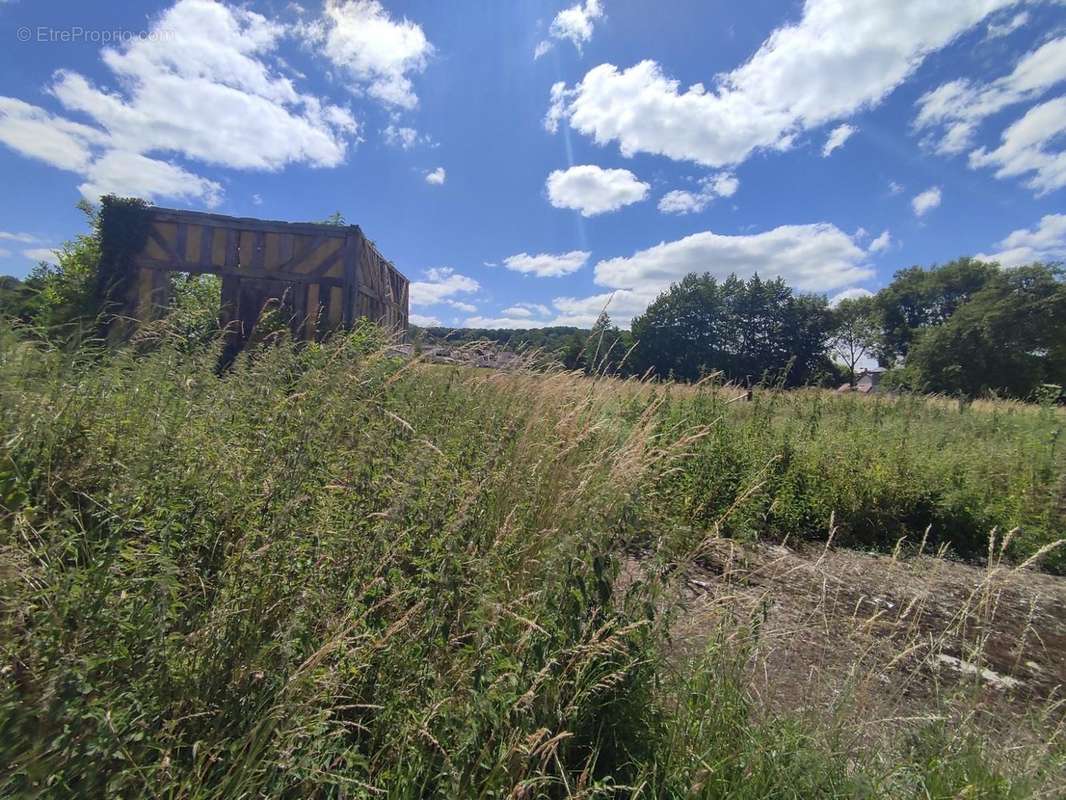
(329, 572)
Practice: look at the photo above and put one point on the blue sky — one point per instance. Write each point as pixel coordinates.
(527, 163)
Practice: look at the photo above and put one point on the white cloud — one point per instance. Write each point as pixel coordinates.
(378, 53)
(574, 24)
(119, 172)
(34, 132)
(527, 311)
(402, 137)
(837, 137)
(838, 59)
(496, 323)
(558, 107)
(423, 321)
(593, 190)
(1026, 148)
(953, 111)
(547, 265)
(882, 242)
(998, 30)
(815, 257)
(682, 201)
(848, 294)
(724, 184)
(436, 177)
(206, 86)
(539, 309)
(517, 311)
(895, 188)
(466, 308)
(204, 91)
(926, 201)
(583, 312)
(1045, 242)
(41, 254)
(24, 238)
(257, 199)
(522, 316)
(440, 284)
(809, 257)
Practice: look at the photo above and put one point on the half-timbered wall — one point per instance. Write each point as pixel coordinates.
(321, 276)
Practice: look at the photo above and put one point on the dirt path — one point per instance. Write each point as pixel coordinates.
(880, 640)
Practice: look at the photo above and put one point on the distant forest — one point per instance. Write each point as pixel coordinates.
(557, 339)
(965, 328)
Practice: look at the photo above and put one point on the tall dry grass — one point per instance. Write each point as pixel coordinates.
(327, 572)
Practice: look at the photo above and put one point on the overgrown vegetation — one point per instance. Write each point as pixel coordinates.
(565, 341)
(967, 329)
(326, 572)
(1008, 337)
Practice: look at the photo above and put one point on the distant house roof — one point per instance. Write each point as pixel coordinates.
(865, 382)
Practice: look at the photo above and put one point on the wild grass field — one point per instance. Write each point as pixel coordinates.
(326, 572)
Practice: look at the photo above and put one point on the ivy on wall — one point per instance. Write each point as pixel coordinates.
(124, 226)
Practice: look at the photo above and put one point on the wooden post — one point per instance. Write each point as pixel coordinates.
(351, 283)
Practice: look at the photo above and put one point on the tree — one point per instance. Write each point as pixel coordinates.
(680, 334)
(18, 299)
(196, 301)
(1007, 338)
(68, 289)
(856, 332)
(750, 330)
(919, 298)
(88, 280)
(572, 350)
(605, 348)
(808, 326)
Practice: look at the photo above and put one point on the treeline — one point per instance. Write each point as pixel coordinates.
(965, 328)
(969, 328)
(556, 339)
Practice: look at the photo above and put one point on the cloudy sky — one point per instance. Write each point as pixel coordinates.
(528, 163)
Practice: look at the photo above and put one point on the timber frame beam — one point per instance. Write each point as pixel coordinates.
(322, 276)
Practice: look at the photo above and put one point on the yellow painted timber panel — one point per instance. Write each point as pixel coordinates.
(336, 306)
(218, 248)
(145, 284)
(168, 231)
(272, 246)
(312, 310)
(247, 246)
(192, 244)
(314, 259)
